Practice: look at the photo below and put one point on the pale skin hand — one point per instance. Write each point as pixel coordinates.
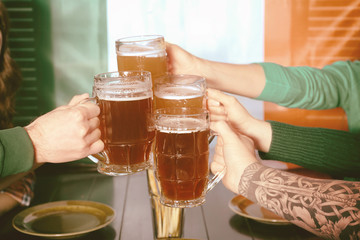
(243, 79)
(227, 108)
(67, 133)
(328, 208)
(231, 147)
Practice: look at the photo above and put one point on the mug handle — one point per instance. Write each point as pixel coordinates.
(219, 175)
(101, 156)
(215, 180)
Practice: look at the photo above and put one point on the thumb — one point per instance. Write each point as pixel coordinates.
(223, 129)
(78, 98)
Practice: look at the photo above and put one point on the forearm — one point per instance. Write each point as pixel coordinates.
(325, 150)
(247, 80)
(328, 208)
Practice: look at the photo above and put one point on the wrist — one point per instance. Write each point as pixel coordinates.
(260, 132)
(35, 136)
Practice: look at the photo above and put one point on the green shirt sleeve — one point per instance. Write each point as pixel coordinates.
(330, 151)
(16, 151)
(335, 85)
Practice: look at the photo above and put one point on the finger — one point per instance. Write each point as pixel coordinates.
(94, 123)
(226, 100)
(217, 110)
(213, 103)
(93, 136)
(77, 99)
(96, 147)
(225, 131)
(218, 151)
(89, 109)
(216, 118)
(216, 167)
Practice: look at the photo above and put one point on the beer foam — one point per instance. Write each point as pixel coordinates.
(136, 50)
(118, 99)
(181, 125)
(177, 92)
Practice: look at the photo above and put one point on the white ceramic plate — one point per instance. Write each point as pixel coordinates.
(63, 219)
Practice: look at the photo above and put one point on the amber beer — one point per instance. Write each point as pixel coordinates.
(125, 101)
(179, 91)
(146, 53)
(156, 64)
(182, 156)
(182, 161)
(125, 131)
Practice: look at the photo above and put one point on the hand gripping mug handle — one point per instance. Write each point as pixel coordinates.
(219, 175)
(101, 156)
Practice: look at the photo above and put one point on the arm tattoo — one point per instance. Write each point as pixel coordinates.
(328, 208)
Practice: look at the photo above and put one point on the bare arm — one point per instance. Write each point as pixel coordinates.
(328, 208)
(243, 79)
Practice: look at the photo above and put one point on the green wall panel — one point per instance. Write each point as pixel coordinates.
(59, 45)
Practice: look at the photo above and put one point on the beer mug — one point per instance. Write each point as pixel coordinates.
(125, 101)
(146, 53)
(182, 156)
(179, 91)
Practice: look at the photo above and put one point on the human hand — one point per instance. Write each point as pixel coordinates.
(223, 107)
(67, 133)
(233, 151)
(181, 61)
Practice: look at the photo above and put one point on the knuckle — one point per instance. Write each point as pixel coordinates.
(78, 114)
(232, 100)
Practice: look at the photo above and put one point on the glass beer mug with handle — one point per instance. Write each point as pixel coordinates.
(145, 52)
(125, 101)
(148, 53)
(182, 156)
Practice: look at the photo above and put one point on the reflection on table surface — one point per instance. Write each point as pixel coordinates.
(128, 195)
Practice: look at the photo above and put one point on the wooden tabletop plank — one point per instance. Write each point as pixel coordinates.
(137, 221)
(218, 215)
(194, 224)
(111, 191)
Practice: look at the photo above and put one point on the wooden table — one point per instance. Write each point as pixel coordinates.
(128, 195)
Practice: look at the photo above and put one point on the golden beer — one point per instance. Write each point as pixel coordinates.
(179, 91)
(145, 53)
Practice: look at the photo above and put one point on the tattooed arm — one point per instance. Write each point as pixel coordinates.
(327, 208)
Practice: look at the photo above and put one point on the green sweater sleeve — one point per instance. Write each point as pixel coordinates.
(325, 150)
(16, 151)
(335, 85)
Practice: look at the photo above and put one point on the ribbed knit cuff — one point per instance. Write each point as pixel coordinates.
(16, 151)
(325, 150)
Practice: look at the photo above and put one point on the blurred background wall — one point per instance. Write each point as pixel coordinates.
(61, 44)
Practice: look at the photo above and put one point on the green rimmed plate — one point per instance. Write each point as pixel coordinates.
(63, 219)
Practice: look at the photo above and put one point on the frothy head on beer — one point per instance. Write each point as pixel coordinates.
(179, 91)
(123, 86)
(145, 45)
(181, 120)
(181, 125)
